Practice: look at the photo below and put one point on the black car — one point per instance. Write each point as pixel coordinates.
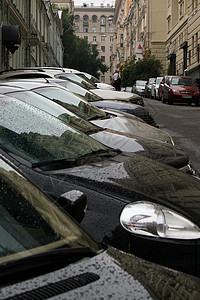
(45, 254)
(133, 203)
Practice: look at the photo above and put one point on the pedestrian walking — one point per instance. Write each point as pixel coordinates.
(117, 80)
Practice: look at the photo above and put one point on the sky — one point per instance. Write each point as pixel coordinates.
(95, 2)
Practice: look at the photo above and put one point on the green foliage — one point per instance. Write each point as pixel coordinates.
(143, 69)
(78, 53)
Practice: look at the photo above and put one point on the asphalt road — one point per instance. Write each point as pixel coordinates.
(182, 122)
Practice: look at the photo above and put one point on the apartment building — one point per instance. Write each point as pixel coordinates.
(183, 38)
(140, 24)
(95, 24)
(31, 34)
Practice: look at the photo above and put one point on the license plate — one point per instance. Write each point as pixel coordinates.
(186, 96)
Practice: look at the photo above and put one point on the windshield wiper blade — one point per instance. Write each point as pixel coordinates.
(68, 162)
(101, 153)
(65, 255)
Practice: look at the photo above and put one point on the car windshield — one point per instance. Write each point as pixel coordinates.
(54, 109)
(27, 227)
(76, 79)
(182, 81)
(158, 80)
(71, 102)
(37, 137)
(141, 83)
(78, 90)
(89, 78)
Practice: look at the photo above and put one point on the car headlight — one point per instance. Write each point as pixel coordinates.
(175, 91)
(149, 219)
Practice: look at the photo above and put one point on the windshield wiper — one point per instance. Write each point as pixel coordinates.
(100, 153)
(51, 259)
(68, 162)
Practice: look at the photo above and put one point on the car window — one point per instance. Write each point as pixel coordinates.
(76, 79)
(27, 227)
(183, 81)
(71, 102)
(38, 137)
(54, 109)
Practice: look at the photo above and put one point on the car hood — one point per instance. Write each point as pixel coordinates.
(139, 178)
(184, 88)
(104, 86)
(115, 95)
(158, 151)
(111, 274)
(137, 128)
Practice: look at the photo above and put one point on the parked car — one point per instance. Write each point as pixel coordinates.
(161, 152)
(91, 113)
(134, 204)
(154, 88)
(147, 90)
(180, 89)
(68, 74)
(95, 81)
(45, 254)
(139, 87)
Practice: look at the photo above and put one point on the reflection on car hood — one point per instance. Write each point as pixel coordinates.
(158, 151)
(140, 178)
(117, 95)
(111, 274)
(105, 86)
(123, 124)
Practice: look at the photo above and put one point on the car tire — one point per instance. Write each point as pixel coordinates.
(170, 102)
(154, 96)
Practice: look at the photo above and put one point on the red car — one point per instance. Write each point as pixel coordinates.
(179, 89)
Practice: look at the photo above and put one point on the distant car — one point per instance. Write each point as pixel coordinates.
(154, 88)
(45, 254)
(147, 90)
(139, 87)
(134, 203)
(180, 89)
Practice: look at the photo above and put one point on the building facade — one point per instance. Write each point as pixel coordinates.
(95, 24)
(40, 30)
(169, 28)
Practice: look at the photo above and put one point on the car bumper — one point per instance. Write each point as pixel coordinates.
(184, 98)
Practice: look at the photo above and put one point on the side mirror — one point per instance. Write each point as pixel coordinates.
(75, 203)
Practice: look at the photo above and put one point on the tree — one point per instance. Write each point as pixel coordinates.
(78, 53)
(143, 69)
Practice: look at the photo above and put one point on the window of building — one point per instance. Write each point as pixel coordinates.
(111, 29)
(103, 20)
(111, 48)
(103, 48)
(94, 38)
(102, 29)
(111, 39)
(103, 78)
(94, 19)
(85, 29)
(94, 29)
(86, 38)
(103, 38)
(169, 22)
(103, 58)
(181, 8)
(194, 4)
(77, 19)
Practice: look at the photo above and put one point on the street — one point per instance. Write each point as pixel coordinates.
(182, 122)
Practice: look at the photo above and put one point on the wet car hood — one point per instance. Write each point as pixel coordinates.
(123, 124)
(104, 86)
(116, 95)
(158, 151)
(112, 274)
(139, 178)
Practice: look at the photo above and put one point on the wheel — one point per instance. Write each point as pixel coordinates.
(170, 102)
(163, 99)
(155, 95)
